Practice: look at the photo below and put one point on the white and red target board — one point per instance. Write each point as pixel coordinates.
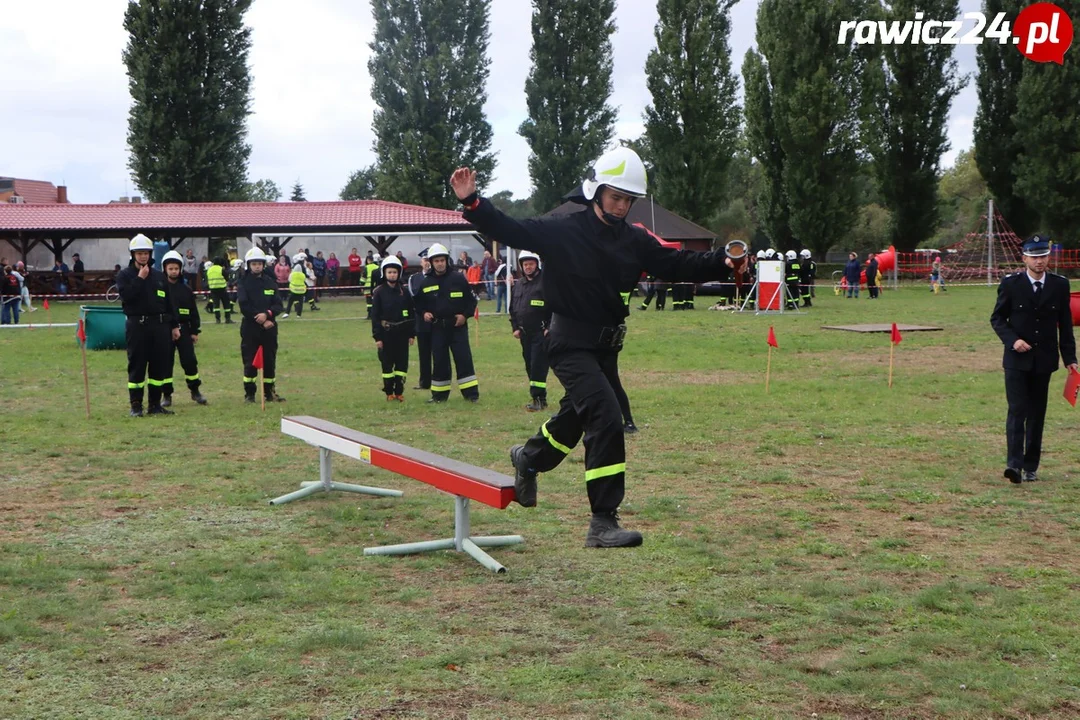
(770, 281)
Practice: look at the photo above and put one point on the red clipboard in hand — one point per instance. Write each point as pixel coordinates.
(1072, 384)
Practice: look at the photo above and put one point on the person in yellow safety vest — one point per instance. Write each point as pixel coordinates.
(217, 281)
(371, 278)
(793, 276)
(297, 287)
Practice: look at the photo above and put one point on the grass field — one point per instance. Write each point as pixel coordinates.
(834, 547)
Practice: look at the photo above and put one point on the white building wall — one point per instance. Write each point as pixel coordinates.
(97, 254)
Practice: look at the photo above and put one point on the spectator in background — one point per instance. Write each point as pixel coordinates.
(191, 270)
(852, 271)
(370, 257)
(117, 268)
(872, 275)
(60, 284)
(473, 276)
(333, 267)
(937, 280)
(281, 275)
(488, 266)
(404, 262)
(318, 264)
(464, 262)
(10, 296)
(500, 289)
(77, 266)
(356, 269)
(20, 270)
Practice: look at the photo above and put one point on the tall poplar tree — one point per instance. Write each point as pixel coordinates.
(997, 141)
(187, 66)
(909, 89)
(693, 122)
(567, 91)
(429, 70)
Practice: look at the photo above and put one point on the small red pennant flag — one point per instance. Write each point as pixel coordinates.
(772, 338)
(257, 363)
(45, 304)
(81, 332)
(896, 337)
(476, 313)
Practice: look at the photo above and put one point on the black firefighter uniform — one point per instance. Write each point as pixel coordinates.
(446, 296)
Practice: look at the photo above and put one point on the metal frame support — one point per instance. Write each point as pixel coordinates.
(326, 484)
(461, 542)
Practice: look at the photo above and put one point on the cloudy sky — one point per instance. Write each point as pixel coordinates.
(64, 95)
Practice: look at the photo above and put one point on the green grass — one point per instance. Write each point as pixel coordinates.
(833, 547)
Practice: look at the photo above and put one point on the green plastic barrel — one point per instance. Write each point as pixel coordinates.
(105, 325)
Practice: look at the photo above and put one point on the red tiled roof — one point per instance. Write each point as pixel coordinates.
(295, 217)
(35, 191)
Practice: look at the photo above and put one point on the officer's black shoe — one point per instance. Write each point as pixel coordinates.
(158, 410)
(217, 321)
(473, 399)
(629, 428)
(136, 410)
(524, 478)
(198, 397)
(536, 405)
(229, 321)
(249, 399)
(604, 531)
(1014, 475)
(166, 401)
(1030, 476)
(274, 397)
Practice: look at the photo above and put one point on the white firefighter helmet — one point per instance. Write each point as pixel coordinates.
(760, 254)
(436, 250)
(390, 262)
(377, 257)
(172, 256)
(621, 169)
(791, 255)
(140, 242)
(526, 255)
(804, 254)
(255, 254)
(207, 265)
(770, 254)
(299, 258)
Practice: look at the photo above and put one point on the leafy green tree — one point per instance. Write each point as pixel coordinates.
(262, 191)
(361, 185)
(693, 122)
(429, 69)
(570, 120)
(187, 67)
(504, 200)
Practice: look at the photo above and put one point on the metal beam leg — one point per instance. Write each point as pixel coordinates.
(326, 484)
(461, 541)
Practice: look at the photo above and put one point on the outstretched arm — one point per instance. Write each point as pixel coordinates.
(532, 234)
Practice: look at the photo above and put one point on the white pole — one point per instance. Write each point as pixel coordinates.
(652, 207)
(990, 243)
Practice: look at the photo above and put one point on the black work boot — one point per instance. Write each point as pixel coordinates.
(604, 531)
(136, 409)
(249, 398)
(524, 478)
(166, 401)
(272, 396)
(629, 428)
(536, 405)
(198, 397)
(158, 410)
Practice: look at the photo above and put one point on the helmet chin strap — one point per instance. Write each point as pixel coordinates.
(608, 217)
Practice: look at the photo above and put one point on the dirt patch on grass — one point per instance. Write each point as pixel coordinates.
(657, 378)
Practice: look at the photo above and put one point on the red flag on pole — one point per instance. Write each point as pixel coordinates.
(45, 304)
(257, 363)
(81, 332)
(476, 313)
(1072, 385)
(896, 338)
(772, 338)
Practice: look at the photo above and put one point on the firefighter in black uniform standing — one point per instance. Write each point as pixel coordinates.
(808, 270)
(423, 328)
(793, 277)
(256, 293)
(152, 327)
(447, 302)
(530, 318)
(587, 257)
(187, 312)
(392, 326)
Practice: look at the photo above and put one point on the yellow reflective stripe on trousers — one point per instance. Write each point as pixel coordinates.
(467, 385)
(625, 298)
(440, 384)
(268, 381)
(136, 386)
(605, 471)
(400, 373)
(554, 443)
(250, 380)
(535, 384)
(387, 376)
(191, 377)
(159, 383)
